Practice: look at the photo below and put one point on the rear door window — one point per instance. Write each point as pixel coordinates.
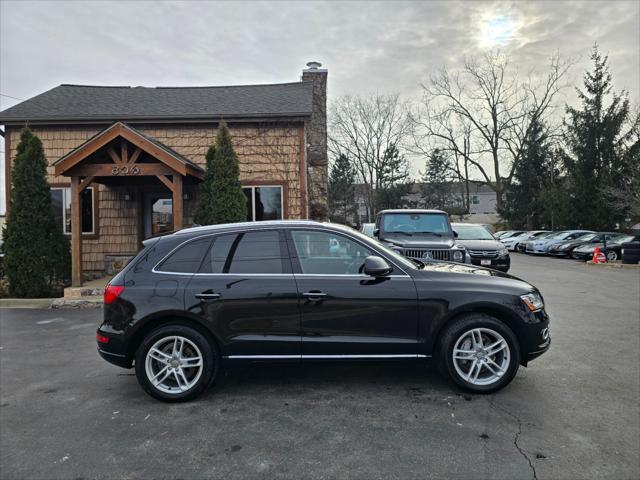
(257, 252)
(186, 258)
(250, 252)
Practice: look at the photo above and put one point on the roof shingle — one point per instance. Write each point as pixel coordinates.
(83, 102)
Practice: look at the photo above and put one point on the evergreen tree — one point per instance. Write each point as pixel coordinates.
(437, 181)
(596, 157)
(342, 205)
(37, 255)
(226, 202)
(204, 214)
(525, 204)
(392, 182)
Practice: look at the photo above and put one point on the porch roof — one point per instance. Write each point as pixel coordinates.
(150, 145)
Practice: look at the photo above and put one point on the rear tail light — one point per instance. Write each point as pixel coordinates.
(112, 292)
(102, 338)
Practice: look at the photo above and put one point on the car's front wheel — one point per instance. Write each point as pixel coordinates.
(611, 255)
(176, 363)
(479, 353)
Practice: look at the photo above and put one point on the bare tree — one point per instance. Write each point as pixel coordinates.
(368, 130)
(488, 105)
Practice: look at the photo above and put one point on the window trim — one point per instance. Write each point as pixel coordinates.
(286, 231)
(284, 251)
(297, 268)
(284, 194)
(94, 234)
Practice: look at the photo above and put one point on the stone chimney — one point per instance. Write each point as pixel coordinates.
(316, 138)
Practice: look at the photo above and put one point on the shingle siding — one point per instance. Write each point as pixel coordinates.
(267, 153)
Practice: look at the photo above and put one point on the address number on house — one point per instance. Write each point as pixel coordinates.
(125, 170)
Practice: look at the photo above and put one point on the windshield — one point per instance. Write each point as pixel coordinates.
(559, 235)
(413, 223)
(587, 237)
(472, 232)
(624, 239)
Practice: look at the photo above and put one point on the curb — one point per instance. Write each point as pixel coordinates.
(59, 303)
(26, 302)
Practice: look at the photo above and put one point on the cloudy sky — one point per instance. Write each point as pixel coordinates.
(367, 46)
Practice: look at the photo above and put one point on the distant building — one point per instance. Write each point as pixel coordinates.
(482, 202)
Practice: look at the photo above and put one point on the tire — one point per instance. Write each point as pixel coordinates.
(183, 379)
(611, 255)
(458, 335)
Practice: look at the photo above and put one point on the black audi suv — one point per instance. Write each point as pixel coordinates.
(208, 297)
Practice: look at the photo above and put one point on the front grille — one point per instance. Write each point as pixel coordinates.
(419, 253)
(484, 253)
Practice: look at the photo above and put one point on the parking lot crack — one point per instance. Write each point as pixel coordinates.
(517, 437)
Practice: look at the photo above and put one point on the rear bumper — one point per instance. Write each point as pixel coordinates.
(114, 351)
(115, 358)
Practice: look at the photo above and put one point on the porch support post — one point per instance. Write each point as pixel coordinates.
(76, 232)
(177, 201)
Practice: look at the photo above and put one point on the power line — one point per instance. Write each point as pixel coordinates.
(9, 96)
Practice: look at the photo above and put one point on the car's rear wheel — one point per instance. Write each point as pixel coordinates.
(479, 353)
(176, 363)
(611, 255)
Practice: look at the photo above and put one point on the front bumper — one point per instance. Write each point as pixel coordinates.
(545, 338)
(558, 253)
(498, 263)
(582, 255)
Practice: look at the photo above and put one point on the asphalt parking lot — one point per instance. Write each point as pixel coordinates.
(574, 413)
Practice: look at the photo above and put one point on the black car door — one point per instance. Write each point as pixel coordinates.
(246, 290)
(346, 313)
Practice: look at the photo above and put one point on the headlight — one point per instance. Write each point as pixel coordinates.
(458, 256)
(533, 301)
(503, 252)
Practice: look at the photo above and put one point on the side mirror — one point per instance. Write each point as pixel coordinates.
(376, 266)
(376, 232)
(455, 234)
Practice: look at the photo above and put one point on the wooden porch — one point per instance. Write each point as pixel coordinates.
(121, 156)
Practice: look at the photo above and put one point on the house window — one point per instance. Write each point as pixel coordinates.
(61, 201)
(263, 203)
(475, 199)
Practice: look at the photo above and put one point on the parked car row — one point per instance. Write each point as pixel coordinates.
(577, 244)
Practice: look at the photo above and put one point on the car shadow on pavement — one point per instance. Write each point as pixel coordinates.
(354, 378)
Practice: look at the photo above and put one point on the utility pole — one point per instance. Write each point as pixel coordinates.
(466, 172)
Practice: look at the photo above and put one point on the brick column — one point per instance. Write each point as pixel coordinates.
(316, 139)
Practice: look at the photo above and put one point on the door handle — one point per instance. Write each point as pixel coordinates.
(207, 296)
(314, 295)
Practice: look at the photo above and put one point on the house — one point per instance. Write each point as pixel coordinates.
(125, 162)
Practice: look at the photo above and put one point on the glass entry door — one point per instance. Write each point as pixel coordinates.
(158, 214)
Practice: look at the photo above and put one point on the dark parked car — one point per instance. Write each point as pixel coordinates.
(420, 234)
(208, 297)
(483, 248)
(564, 249)
(612, 250)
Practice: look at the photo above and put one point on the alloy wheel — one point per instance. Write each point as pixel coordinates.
(481, 356)
(174, 364)
(612, 256)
